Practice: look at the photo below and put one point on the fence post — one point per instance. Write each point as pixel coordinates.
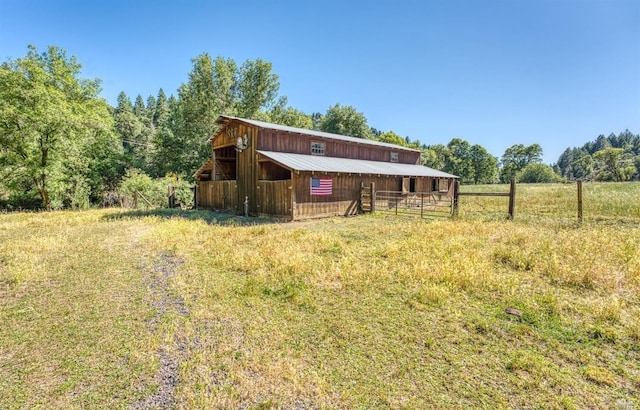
(580, 201)
(512, 199)
(195, 196)
(172, 197)
(373, 197)
(397, 200)
(456, 196)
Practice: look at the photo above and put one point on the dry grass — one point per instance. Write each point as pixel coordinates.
(73, 311)
(366, 312)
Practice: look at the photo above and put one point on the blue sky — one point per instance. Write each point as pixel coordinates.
(495, 73)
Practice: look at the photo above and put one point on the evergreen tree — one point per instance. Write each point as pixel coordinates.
(165, 144)
(161, 112)
(139, 108)
(128, 127)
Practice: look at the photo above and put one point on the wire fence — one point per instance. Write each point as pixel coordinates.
(602, 202)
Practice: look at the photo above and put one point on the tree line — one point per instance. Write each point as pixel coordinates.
(63, 146)
(612, 158)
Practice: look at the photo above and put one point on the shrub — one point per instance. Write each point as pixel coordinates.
(537, 173)
(137, 184)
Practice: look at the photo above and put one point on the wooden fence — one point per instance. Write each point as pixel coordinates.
(219, 195)
(511, 194)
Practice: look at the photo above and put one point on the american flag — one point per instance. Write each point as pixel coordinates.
(321, 186)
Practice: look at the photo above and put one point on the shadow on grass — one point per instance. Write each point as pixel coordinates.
(210, 217)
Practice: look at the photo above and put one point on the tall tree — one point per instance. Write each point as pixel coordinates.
(391, 137)
(574, 163)
(49, 117)
(435, 156)
(161, 112)
(485, 165)
(289, 116)
(165, 144)
(458, 160)
(202, 99)
(613, 164)
(257, 88)
(345, 120)
(316, 118)
(151, 107)
(129, 127)
(139, 108)
(516, 157)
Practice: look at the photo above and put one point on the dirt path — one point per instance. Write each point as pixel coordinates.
(164, 302)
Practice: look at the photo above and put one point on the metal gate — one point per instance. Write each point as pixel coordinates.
(422, 204)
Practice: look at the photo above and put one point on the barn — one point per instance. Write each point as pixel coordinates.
(259, 168)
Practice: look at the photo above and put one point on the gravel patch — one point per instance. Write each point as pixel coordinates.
(164, 302)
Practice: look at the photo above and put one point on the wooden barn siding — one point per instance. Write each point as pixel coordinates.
(275, 198)
(220, 195)
(346, 193)
(246, 165)
(280, 141)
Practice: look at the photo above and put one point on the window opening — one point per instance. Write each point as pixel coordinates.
(317, 148)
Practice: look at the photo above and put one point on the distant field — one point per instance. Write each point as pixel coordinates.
(189, 309)
(602, 202)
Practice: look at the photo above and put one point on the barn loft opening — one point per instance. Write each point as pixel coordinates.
(225, 163)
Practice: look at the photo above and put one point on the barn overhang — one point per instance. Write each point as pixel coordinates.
(205, 170)
(317, 163)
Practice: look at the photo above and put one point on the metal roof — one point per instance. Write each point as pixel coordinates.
(318, 163)
(223, 119)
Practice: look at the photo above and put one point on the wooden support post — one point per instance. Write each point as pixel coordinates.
(421, 205)
(456, 197)
(373, 197)
(512, 199)
(213, 164)
(580, 201)
(172, 197)
(195, 196)
(397, 205)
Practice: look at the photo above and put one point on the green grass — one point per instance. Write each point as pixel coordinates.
(366, 312)
(602, 202)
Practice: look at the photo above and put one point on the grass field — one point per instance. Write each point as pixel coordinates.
(189, 309)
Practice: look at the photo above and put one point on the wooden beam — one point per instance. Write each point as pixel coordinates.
(484, 193)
